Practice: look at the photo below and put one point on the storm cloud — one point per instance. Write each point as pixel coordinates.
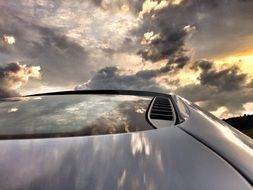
(211, 99)
(228, 79)
(110, 78)
(218, 88)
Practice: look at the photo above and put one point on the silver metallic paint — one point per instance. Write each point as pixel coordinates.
(166, 158)
(230, 143)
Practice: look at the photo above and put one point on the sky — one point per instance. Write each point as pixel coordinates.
(199, 49)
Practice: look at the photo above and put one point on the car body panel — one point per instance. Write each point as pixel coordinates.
(166, 158)
(228, 142)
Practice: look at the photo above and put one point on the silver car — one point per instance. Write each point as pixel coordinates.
(115, 139)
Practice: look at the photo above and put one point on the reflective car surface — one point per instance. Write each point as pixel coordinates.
(118, 140)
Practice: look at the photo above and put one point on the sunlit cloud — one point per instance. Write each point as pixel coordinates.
(148, 37)
(222, 111)
(190, 29)
(249, 108)
(21, 77)
(155, 5)
(7, 39)
(15, 75)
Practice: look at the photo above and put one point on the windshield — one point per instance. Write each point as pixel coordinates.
(72, 115)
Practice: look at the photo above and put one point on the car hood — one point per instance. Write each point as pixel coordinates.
(166, 158)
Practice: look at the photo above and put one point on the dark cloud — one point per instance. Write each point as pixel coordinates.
(166, 45)
(219, 88)
(162, 33)
(110, 78)
(212, 98)
(228, 79)
(13, 76)
(195, 92)
(59, 57)
(181, 61)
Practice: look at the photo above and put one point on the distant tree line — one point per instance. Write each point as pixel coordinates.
(243, 123)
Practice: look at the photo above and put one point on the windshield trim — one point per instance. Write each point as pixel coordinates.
(104, 92)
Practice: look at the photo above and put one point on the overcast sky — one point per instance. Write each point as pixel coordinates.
(200, 49)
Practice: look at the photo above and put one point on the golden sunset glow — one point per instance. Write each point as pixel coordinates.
(245, 62)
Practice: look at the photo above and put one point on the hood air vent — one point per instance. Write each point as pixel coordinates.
(161, 109)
